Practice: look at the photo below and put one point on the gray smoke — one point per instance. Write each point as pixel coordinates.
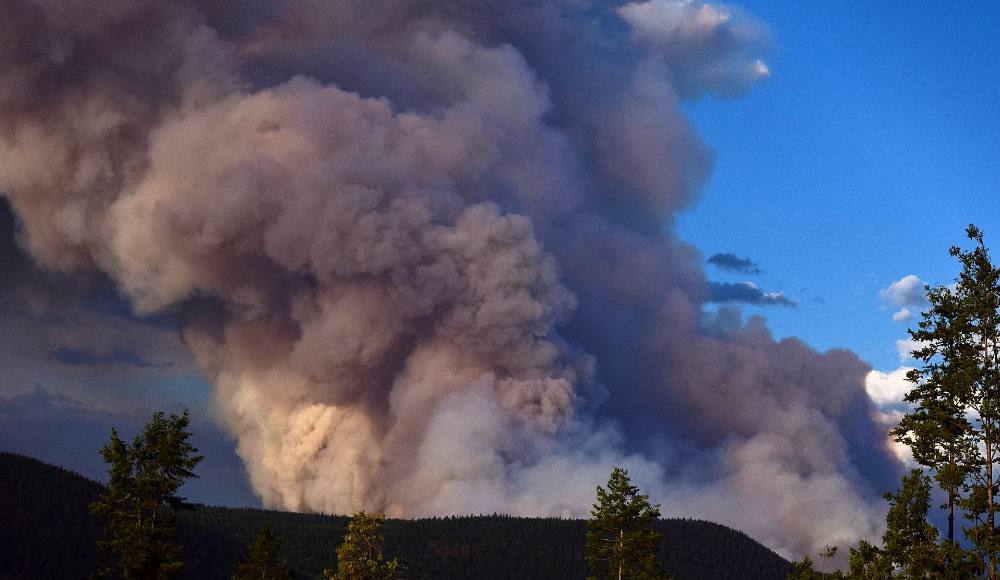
(423, 250)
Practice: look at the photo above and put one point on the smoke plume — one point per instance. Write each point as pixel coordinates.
(424, 251)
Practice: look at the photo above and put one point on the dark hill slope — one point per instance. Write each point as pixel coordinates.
(47, 532)
(45, 527)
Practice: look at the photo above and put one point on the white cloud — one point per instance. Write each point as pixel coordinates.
(905, 346)
(902, 315)
(888, 388)
(906, 293)
(761, 69)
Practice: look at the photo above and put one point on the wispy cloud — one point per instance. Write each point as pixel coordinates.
(747, 293)
(83, 356)
(733, 263)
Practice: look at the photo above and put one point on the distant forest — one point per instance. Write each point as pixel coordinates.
(47, 532)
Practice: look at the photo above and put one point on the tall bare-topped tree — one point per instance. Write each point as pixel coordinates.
(622, 541)
(955, 427)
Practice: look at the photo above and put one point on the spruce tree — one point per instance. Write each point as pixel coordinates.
(138, 508)
(622, 541)
(265, 561)
(359, 556)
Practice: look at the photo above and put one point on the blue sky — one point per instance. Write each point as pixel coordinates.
(861, 160)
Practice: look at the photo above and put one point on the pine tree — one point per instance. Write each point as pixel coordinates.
(803, 570)
(621, 539)
(955, 428)
(360, 556)
(910, 541)
(869, 562)
(138, 508)
(910, 547)
(265, 561)
(937, 431)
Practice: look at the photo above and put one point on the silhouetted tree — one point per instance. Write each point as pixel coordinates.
(138, 508)
(360, 556)
(265, 561)
(621, 540)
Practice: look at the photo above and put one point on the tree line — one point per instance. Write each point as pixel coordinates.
(139, 509)
(48, 532)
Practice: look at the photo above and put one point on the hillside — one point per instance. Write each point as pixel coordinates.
(47, 532)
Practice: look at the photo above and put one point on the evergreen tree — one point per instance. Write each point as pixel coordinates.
(955, 427)
(910, 548)
(360, 557)
(937, 430)
(869, 562)
(265, 561)
(138, 508)
(910, 541)
(621, 539)
(804, 571)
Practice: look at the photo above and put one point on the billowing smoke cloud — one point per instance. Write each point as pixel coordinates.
(422, 250)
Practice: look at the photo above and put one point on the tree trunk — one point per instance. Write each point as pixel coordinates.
(988, 432)
(990, 507)
(951, 501)
(951, 497)
(621, 551)
(951, 515)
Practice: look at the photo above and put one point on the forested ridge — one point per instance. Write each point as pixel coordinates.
(47, 532)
